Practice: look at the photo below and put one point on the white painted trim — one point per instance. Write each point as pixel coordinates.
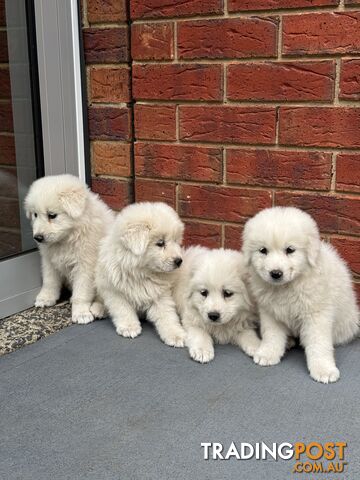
(78, 90)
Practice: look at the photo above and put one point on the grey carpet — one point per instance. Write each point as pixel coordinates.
(86, 404)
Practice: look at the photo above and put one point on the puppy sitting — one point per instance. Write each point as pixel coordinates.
(213, 302)
(68, 222)
(303, 288)
(133, 272)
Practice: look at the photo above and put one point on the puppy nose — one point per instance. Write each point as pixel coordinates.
(214, 316)
(178, 261)
(276, 274)
(39, 238)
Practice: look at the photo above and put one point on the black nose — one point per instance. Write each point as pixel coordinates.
(214, 316)
(178, 261)
(39, 238)
(276, 274)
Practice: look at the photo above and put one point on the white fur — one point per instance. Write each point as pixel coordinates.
(313, 300)
(71, 241)
(133, 273)
(214, 272)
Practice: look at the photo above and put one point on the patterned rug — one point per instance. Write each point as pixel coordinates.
(31, 325)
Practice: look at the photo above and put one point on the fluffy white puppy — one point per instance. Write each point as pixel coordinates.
(133, 272)
(68, 222)
(213, 302)
(303, 288)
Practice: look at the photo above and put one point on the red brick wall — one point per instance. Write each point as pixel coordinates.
(239, 105)
(108, 68)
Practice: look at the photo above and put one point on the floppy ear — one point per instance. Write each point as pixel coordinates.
(27, 208)
(313, 249)
(73, 201)
(136, 238)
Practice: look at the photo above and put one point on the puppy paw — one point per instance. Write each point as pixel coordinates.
(202, 355)
(325, 374)
(175, 338)
(43, 300)
(266, 358)
(97, 309)
(251, 347)
(82, 317)
(129, 329)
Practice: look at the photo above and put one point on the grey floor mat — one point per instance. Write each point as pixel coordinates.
(86, 404)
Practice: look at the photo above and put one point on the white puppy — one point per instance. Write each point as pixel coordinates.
(213, 302)
(68, 222)
(133, 272)
(303, 288)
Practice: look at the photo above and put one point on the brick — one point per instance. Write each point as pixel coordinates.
(233, 236)
(10, 242)
(289, 81)
(4, 56)
(7, 150)
(106, 45)
(109, 123)
(320, 126)
(99, 11)
(205, 234)
(352, 2)
(109, 85)
(5, 88)
(10, 213)
(279, 168)
(334, 214)
(177, 82)
(6, 118)
(174, 8)
(2, 14)
(348, 172)
(9, 182)
(154, 191)
(178, 162)
(115, 193)
(111, 158)
(246, 5)
(228, 124)
(321, 33)
(227, 38)
(221, 203)
(155, 122)
(349, 249)
(350, 80)
(152, 41)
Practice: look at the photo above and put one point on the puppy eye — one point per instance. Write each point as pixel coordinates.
(204, 293)
(227, 293)
(160, 243)
(263, 250)
(290, 250)
(35, 215)
(51, 216)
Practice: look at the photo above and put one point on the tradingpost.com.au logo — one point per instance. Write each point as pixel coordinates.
(311, 457)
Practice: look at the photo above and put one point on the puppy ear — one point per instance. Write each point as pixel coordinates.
(136, 238)
(27, 208)
(73, 201)
(313, 249)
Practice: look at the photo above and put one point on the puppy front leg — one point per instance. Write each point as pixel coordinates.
(51, 287)
(122, 314)
(316, 338)
(248, 341)
(273, 344)
(200, 344)
(163, 315)
(83, 293)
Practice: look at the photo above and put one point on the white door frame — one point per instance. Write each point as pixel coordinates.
(62, 114)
